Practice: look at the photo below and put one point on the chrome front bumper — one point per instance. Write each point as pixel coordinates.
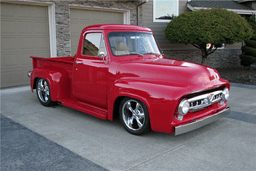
(201, 122)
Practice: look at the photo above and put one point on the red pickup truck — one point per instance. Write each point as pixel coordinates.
(119, 70)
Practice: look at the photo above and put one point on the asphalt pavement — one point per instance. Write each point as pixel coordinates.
(34, 137)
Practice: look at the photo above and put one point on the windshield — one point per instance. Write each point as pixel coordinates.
(132, 43)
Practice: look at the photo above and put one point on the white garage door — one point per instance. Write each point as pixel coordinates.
(80, 18)
(24, 33)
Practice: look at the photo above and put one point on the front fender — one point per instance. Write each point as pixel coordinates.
(58, 80)
(160, 99)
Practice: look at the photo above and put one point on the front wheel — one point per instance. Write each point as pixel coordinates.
(43, 92)
(134, 116)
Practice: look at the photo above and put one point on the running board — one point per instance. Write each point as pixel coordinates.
(84, 107)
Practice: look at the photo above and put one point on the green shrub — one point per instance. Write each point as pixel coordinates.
(253, 37)
(249, 50)
(247, 60)
(215, 26)
(250, 43)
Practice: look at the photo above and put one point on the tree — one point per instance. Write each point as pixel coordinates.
(248, 56)
(215, 26)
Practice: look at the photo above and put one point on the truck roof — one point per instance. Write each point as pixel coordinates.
(116, 27)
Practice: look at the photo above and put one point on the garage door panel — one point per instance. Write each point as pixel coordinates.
(96, 16)
(40, 13)
(25, 27)
(8, 43)
(74, 45)
(25, 60)
(8, 10)
(41, 28)
(24, 75)
(40, 54)
(9, 60)
(7, 27)
(26, 43)
(22, 11)
(41, 43)
(76, 28)
(24, 33)
(10, 77)
(75, 15)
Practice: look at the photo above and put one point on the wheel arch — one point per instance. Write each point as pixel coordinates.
(118, 93)
(58, 81)
(119, 99)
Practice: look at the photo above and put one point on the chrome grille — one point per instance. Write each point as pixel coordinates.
(204, 100)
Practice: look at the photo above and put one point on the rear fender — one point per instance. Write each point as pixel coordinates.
(58, 80)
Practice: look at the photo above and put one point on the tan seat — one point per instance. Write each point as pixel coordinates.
(121, 49)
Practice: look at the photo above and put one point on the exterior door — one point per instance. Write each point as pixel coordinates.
(90, 72)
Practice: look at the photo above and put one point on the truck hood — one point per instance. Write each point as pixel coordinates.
(170, 72)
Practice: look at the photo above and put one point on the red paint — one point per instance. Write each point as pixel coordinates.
(93, 87)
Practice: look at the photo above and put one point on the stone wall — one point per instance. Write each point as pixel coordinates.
(222, 58)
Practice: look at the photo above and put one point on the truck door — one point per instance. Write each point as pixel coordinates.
(90, 72)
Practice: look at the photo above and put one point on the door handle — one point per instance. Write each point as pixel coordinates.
(79, 62)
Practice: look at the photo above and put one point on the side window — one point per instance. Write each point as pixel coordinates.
(94, 44)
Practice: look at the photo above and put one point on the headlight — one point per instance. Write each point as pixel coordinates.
(183, 107)
(225, 94)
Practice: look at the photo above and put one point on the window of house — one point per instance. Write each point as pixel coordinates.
(94, 44)
(165, 10)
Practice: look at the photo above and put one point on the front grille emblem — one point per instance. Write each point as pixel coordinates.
(210, 98)
(204, 100)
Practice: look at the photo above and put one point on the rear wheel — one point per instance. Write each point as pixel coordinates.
(134, 116)
(43, 92)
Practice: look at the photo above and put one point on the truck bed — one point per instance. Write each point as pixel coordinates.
(65, 63)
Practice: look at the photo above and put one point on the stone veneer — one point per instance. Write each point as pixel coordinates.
(222, 58)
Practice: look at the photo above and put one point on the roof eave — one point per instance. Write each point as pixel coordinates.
(238, 11)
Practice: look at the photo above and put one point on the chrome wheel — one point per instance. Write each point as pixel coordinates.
(134, 116)
(43, 92)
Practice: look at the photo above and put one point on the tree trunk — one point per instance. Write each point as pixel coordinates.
(204, 61)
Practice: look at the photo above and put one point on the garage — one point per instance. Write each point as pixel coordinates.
(80, 18)
(24, 33)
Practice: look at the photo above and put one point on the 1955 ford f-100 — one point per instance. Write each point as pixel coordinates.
(118, 69)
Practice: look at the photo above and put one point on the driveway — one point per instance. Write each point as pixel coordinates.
(227, 144)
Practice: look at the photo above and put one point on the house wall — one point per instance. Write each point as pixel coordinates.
(228, 57)
(159, 28)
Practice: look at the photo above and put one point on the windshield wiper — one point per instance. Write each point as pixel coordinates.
(134, 53)
(149, 53)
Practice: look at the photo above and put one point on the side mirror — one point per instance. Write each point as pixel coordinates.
(102, 54)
